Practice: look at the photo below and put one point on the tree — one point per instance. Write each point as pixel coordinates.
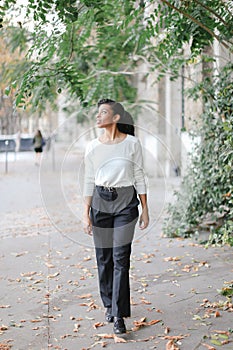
(91, 46)
(92, 49)
(85, 45)
(9, 116)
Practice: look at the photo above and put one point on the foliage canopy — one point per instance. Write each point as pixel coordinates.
(85, 46)
(91, 49)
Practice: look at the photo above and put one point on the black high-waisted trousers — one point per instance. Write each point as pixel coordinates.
(114, 213)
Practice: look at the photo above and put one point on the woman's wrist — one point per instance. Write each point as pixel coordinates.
(143, 200)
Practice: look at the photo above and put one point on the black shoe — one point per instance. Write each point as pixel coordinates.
(108, 315)
(119, 326)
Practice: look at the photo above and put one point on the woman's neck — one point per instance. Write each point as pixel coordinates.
(112, 135)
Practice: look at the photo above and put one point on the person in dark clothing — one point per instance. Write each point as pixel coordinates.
(38, 144)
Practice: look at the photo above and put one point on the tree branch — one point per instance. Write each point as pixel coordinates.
(197, 22)
(226, 8)
(212, 11)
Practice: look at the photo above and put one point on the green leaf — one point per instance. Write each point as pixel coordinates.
(216, 342)
(7, 90)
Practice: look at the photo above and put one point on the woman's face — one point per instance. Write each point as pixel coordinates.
(105, 116)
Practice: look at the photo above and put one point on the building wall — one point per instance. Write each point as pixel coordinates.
(159, 125)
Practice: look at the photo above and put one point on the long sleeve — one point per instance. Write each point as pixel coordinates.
(89, 178)
(138, 169)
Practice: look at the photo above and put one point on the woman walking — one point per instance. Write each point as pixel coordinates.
(38, 143)
(114, 179)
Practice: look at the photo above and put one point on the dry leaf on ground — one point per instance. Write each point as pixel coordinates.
(5, 346)
(98, 324)
(28, 274)
(209, 347)
(142, 322)
(76, 327)
(119, 340)
(85, 296)
(176, 337)
(91, 305)
(144, 301)
(5, 306)
(105, 336)
(171, 345)
(172, 258)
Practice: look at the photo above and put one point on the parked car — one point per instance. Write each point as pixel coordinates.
(26, 142)
(7, 143)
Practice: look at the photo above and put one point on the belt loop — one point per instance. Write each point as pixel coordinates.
(111, 189)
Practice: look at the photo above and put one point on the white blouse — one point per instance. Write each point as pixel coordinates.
(114, 165)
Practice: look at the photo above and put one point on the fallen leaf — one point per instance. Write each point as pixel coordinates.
(56, 308)
(106, 336)
(5, 306)
(38, 281)
(197, 318)
(142, 322)
(36, 320)
(4, 346)
(216, 342)
(144, 301)
(170, 258)
(132, 302)
(65, 336)
(102, 343)
(119, 340)
(187, 268)
(176, 337)
(153, 322)
(53, 275)
(159, 311)
(87, 258)
(85, 296)
(217, 314)
(147, 256)
(91, 305)
(98, 324)
(49, 265)
(142, 340)
(171, 345)
(28, 274)
(209, 347)
(203, 263)
(221, 332)
(76, 327)
(17, 255)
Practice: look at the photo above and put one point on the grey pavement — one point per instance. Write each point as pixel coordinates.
(48, 278)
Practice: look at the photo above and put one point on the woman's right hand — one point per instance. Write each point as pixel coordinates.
(86, 216)
(87, 224)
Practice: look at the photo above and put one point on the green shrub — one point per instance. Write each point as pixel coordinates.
(205, 199)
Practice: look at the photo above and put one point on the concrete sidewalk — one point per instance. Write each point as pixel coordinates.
(49, 293)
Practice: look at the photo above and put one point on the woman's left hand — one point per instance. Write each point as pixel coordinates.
(144, 218)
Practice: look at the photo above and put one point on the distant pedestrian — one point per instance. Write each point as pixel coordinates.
(114, 179)
(38, 143)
